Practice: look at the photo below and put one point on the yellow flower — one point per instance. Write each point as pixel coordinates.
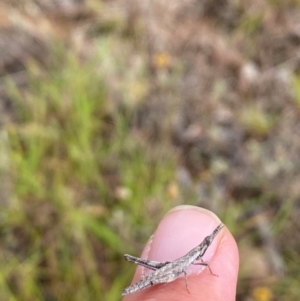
(172, 190)
(162, 60)
(262, 293)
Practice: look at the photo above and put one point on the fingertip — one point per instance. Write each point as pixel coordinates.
(225, 264)
(182, 229)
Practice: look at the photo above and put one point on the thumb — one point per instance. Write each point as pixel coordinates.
(182, 229)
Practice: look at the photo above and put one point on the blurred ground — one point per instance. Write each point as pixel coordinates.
(215, 83)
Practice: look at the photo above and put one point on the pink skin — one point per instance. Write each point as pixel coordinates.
(182, 229)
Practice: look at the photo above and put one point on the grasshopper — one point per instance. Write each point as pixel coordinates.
(168, 271)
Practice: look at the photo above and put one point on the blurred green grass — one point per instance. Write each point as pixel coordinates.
(83, 187)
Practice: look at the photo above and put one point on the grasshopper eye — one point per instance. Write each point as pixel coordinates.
(207, 240)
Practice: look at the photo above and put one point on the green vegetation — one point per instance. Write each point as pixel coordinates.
(92, 150)
(80, 183)
(255, 121)
(296, 86)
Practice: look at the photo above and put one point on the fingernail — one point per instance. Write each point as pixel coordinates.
(181, 230)
(199, 209)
